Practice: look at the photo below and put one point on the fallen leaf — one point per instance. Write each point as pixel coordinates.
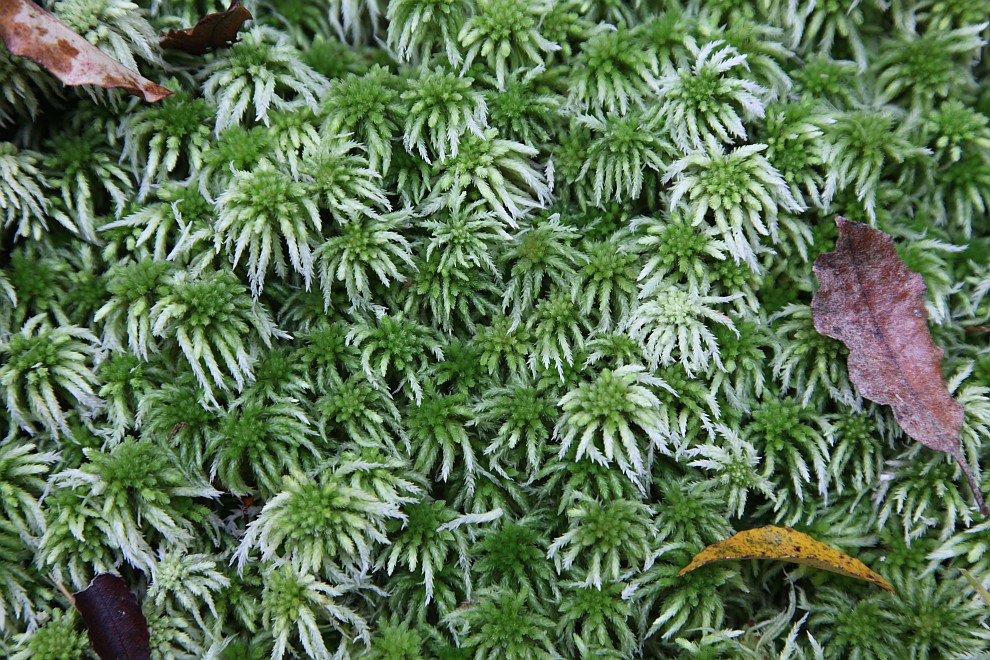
(175, 431)
(30, 31)
(785, 544)
(213, 31)
(872, 303)
(117, 627)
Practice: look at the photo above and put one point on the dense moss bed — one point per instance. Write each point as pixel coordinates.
(455, 328)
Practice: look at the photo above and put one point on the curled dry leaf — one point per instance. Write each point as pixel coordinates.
(872, 303)
(30, 31)
(785, 544)
(213, 31)
(116, 625)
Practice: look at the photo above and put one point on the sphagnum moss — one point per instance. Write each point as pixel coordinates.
(454, 328)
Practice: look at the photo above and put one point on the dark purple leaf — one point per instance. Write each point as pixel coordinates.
(211, 32)
(117, 627)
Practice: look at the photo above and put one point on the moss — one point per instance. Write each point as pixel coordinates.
(460, 325)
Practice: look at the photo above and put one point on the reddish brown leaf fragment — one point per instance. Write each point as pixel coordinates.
(211, 32)
(117, 627)
(30, 31)
(872, 303)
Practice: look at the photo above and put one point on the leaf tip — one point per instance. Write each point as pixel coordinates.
(974, 485)
(878, 580)
(153, 93)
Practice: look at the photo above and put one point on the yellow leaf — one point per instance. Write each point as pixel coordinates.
(786, 544)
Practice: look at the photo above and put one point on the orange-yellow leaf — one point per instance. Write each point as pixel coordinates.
(786, 544)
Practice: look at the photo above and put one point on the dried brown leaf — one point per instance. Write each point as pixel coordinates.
(116, 625)
(30, 31)
(785, 544)
(213, 31)
(872, 303)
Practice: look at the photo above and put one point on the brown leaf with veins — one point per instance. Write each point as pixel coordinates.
(872, 303)
(30, 31)
(211, 32)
